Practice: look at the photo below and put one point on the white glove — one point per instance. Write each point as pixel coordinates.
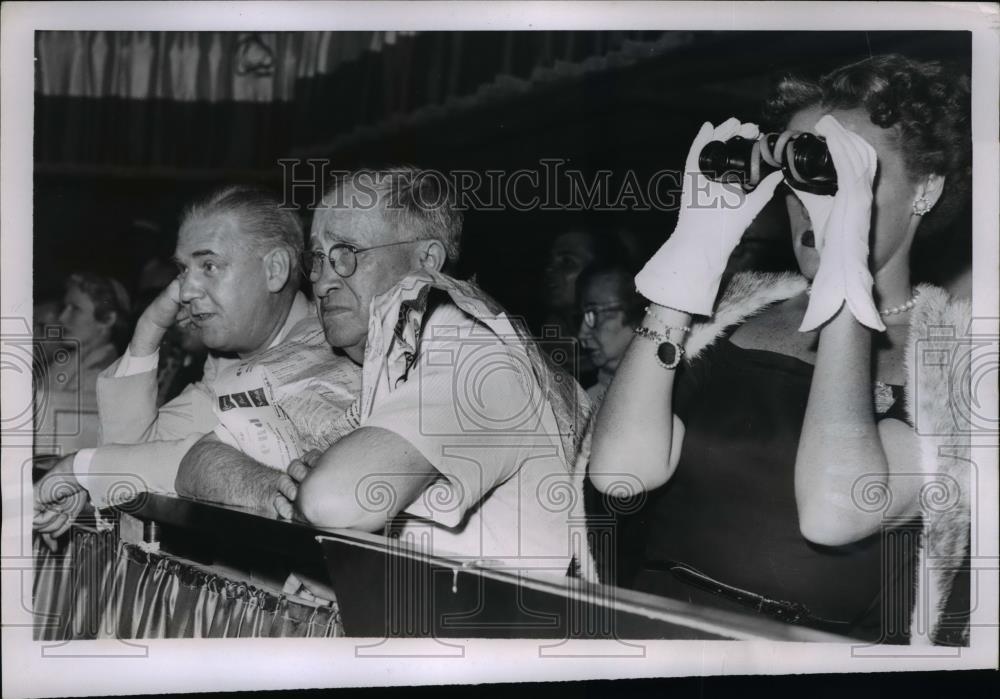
(841, 225)
(686, 271)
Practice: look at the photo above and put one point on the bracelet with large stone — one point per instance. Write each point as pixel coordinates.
(668, 352)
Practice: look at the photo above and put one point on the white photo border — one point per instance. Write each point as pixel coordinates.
(254, 664)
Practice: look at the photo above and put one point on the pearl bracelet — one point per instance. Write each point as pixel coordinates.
(652, 312)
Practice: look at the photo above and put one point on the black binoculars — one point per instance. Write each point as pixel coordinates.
(802, 157)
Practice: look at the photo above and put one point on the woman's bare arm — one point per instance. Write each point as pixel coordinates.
(636, 433)
(842, 451)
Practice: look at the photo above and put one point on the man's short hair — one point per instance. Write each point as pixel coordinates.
(418, 204)
(264, 220)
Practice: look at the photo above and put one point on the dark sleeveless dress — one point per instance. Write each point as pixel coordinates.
(724, 530)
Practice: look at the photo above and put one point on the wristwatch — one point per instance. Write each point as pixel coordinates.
(668, 352)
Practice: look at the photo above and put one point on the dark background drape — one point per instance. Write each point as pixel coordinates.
(131, 125)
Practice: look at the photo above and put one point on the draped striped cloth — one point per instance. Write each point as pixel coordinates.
(190, 66)
(394, 330)
(99, 587)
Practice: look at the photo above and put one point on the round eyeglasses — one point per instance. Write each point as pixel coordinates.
(590, 313)
(343, 258)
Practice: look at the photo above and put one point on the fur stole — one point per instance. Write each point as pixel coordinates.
(937, 356)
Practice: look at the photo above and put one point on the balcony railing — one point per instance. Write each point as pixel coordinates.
(174, 567)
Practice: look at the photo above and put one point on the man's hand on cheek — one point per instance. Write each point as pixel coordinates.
(159, 316)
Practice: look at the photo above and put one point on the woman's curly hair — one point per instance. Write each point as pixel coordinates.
(927, 103)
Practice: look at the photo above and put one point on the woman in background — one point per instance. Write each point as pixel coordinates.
(93, 327)
(609, 309)
(782, 452)
(95, 323)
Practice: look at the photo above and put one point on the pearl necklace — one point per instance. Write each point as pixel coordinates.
(895, 310)
(902, 308)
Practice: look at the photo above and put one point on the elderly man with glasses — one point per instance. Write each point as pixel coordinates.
(464, 437)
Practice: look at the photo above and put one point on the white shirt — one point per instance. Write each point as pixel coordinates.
(119, 471)
(474, 410)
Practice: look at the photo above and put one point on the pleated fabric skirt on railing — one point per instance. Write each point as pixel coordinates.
(100, 587)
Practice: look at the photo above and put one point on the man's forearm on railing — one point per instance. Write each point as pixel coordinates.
(216, 472)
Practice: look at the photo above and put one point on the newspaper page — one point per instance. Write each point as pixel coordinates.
(288, 400)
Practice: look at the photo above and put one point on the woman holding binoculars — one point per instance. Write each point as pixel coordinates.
(782, 437)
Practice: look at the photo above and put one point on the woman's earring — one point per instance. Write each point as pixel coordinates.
(921, 206)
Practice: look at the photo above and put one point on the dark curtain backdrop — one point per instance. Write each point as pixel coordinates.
(115, 135)
(236, 101)
(117, 159)
(189, 102)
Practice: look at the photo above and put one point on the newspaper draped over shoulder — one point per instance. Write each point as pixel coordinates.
(394, 333)
(287, 400)
(301, 396)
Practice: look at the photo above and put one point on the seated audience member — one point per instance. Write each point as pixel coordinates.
(461, 426)
(568, 256)
(238, 283)
(95, 322)
(94, 318)
(610, 308)
(787, 451)
(239, 255)
(570, 253)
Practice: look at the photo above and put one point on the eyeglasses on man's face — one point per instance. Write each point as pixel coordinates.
(343, 258)
(591, 314)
